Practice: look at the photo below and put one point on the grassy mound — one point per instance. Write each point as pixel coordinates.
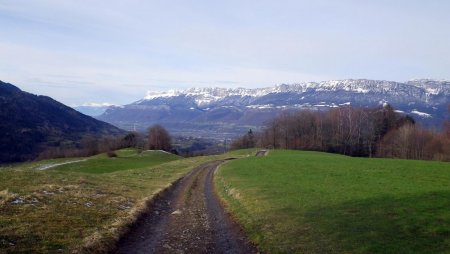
(125, 160)
(310, 202)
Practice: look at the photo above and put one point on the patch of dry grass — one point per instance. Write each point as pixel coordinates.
(6, 196)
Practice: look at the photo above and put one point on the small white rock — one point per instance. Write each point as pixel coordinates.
(18, 201)
(177, 212)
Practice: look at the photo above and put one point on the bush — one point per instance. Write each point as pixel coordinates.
(111, 154)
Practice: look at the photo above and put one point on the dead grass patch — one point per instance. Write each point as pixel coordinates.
(6, 196)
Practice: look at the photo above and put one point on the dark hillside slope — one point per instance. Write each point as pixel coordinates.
(29, 123)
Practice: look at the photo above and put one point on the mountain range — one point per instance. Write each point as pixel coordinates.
(226, 112)
(31, 123)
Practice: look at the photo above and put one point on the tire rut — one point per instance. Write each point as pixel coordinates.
(187, 219)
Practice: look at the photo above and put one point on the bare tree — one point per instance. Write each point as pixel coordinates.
(355, 132)
(159, 138)
(246, 141)
(131, 139)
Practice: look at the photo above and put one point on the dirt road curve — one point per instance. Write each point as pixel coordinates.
(188, 219)
(261, 153)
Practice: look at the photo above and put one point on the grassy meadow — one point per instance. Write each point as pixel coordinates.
(84, 205)
(311, 202)
(127, 159)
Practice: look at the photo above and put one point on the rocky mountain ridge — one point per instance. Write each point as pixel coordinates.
(231, 110)
(419, 88)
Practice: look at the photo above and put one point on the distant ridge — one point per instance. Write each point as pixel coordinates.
(29, 123)
(222, 112)
(414, 88)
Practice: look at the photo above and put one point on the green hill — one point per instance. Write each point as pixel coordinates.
(127, 159)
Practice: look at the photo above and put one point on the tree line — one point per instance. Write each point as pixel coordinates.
(374, 132)
(157, 138)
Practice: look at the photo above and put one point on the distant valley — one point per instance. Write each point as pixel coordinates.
(224, 113)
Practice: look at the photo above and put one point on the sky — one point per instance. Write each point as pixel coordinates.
(114, 51)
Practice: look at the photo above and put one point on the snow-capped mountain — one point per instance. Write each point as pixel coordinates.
(93, 109)
(229, 109)
(411, 91)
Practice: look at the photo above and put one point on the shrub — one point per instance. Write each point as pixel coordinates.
(111, 154)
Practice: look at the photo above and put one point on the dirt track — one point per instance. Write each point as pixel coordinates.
(261, 153)
(187, 219)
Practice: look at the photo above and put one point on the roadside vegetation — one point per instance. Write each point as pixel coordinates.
(85, 205)
(313, 202)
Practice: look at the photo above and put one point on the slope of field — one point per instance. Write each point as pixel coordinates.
(310, 202)
(81, 204)
(127, 159)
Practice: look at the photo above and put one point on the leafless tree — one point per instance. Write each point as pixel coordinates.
(159, 138)
(354, 131)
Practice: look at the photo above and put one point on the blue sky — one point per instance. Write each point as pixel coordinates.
(114, 51)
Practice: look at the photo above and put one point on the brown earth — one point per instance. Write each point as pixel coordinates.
(187, 219)
(261, 153)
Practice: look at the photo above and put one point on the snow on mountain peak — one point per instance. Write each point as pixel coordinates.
(158, 94)
(93, 105)
(207, 95)
(431, 86)
(422, 114)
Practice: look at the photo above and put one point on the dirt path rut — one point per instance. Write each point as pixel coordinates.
(187, 219)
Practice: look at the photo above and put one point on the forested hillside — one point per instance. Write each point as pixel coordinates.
(31, 123)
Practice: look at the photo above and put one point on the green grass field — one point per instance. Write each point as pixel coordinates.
(127, 159)
(83, 204)
(310, 202)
